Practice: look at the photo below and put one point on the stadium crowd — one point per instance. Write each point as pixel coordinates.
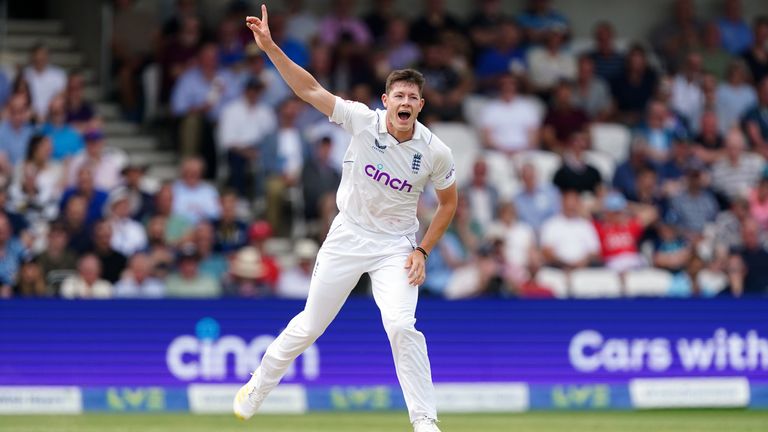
(689, 196)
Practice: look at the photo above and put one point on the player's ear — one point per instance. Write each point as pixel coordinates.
(384, 99)
(421, 104)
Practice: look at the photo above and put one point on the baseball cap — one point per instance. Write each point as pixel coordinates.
(614, 202)
(260, 230)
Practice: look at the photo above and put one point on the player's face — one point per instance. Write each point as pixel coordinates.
(403, 104)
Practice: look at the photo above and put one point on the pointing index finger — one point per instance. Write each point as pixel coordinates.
(264, 13)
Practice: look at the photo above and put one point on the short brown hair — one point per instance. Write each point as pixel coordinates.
(407, 75)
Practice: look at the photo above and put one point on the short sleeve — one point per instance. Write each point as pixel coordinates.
(443, 169)
(354, 117)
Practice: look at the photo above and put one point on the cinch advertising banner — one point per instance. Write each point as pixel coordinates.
(565, 344)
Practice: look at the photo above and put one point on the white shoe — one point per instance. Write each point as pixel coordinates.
(248, 400)
(425, 424)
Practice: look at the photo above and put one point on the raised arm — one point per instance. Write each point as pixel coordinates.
(299, 80)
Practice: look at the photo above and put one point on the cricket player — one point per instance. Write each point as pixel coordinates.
(390, 158)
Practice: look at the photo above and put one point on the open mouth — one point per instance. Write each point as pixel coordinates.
(403, 115)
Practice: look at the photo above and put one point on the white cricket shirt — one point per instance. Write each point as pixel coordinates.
(382, 179)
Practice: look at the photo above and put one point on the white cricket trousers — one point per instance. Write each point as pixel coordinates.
(347, 253)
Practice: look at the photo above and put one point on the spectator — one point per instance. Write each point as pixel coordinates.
(128, 236)
(178, 51)
(15, 132)
(563, 119)
(275, 89)
(672, 172)
(678, 34)
(626, 174)
(634, 86)
(87, 283)
(672, 251)
(67, 141)
(510, 123)
(12, 252)
(519, 239)
(433, 22)
(468, 231)
(714, 58)
(231, 46)
(294, 282)
(193, 197)
(575, 172)
(379, 19)
(483, 196)
(736, 36)
(756, 56)
(37, 185)
(141, 200)
(230, 232)
(620, 230)
(687, 94)
(398, 52)
(484, 25)
(57, 256)
(31, 282)
(45, 81)
(74, 221)
(648, 190)
(80, 113)
(138, 282)
(188, 281)
(245, 275)
(183, 9)
(591, 93)
(655, 134)
(695, 206)
(446, 257)
(502, 55)
(569, 240)
(351, 65)
(258, 235)
(160, 253)
(758, 201)
(5, 88)
(537, 18)
(342, 20)
(537, 202)
(756, 120)
(176, 225)
(445, 87)
(734, 96)
(112, 262)
(734, 174)
(105, 165)
(320, 179)
(708, 144)
(210, 262)
(728, 227)
(94, 198)
(552, 61)
(609, 62)
(295, 49)
(747, 270)
(301, 24)
(244, 124)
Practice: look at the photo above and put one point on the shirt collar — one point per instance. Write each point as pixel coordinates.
(420, 132)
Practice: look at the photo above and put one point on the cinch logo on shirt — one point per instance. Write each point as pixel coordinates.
(380, 176)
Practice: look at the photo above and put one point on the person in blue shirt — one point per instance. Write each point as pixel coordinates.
(96, 199)
(506, 54)
(5, 88)
(11, 254)
(735, 34)
(67, 141)
(16, 131)
(536, 202)
(538, 17)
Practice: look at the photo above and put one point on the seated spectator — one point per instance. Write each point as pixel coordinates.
(649, 191)
(57, 256)
(210, 262)
(569, 240)
(12, 252)
(294, 282)
(728, 227)
(377, 21)
(756, 56)
(398, 52)
(178, 52)
(275, 89)
(231, 46)
(112, 262)
(620, 230)
(45, 81)
(434, 21)
(137, 281)
(5, 88)
(176, 226)
(243, 125)
(735, 33)
(128, 236)
(342, 20)
(626, 174)
(734, 96)
(38, 183)
(87, 283)
(15, 133)
(94, 198)
(563, 119)
(687, 94)
(319, 181)
(510, 123)
(258, 234)
(536, 202)
(141, 200)
(633, 88)
(483, 25)
(591, 93)
(736, 173)
(520, 248)
(537, 18)
(188, 281)
(504, 53)
(678, 34)
(106, 166)
(575, 172)
(672, 172)
(747, 271)
(31, 282)
(708, 144)
(552, 61)
(160, 253)
(482, 195)
(74, 221)
(67, 141)
(245, 275)
(445, 87)
(301, 23)
(656, 134)
(714, 58)
(756, 122)
(446, 257)
(695, 205)
(230, 231)
(609, 62)
(758, 201)
(672, 251)
(80, 113)
(193, 197)
(468, 231)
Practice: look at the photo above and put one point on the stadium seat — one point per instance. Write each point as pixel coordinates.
(595, 283)
(650, 282)
(464, 143)
(473, 107)
(612, 139)
(603, 162)
(554, 279)
(546, 163)
(502, 174)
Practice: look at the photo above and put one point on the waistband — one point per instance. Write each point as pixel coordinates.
(363, 232)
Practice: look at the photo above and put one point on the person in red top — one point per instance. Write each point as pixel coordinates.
(258, 234)
(620, 230)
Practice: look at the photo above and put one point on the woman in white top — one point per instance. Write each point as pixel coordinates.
(38, 182)
(86, 284)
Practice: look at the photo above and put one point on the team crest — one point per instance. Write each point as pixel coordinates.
(416, 163)
(378, 147)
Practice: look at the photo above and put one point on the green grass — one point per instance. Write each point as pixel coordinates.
(651, 421)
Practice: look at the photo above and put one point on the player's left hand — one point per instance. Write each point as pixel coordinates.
(416, 270)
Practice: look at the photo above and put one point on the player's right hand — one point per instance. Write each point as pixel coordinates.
(260, 28)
